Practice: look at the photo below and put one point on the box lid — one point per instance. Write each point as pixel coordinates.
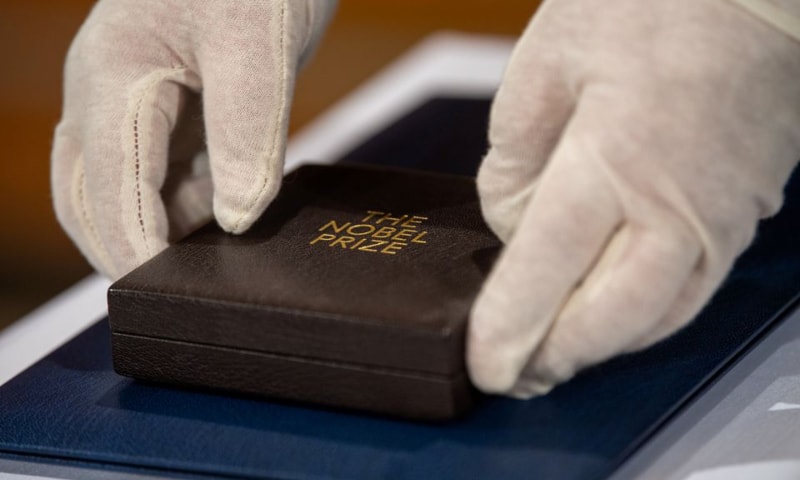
(368, 266)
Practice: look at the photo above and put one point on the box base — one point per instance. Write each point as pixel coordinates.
(382, 391)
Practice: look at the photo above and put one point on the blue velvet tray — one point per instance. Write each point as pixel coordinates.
(71, 405)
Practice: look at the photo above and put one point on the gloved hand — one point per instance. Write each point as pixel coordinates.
(126, 174)
(635, 144)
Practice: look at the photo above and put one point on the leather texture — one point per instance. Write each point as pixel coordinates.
(72, 405)
(361, 277)
(420, 396)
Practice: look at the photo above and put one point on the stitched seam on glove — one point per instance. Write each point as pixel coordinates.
(85, 218)
(280, 112)
(136, 146)
(773, 15)
(137, 164)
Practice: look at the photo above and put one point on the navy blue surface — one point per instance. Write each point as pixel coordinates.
(72, 405)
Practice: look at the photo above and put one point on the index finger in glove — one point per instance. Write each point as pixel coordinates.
(529, 112)
(248, 80)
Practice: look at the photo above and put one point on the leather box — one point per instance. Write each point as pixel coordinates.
(353, 290)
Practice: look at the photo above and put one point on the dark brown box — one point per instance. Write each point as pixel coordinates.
(353, 290)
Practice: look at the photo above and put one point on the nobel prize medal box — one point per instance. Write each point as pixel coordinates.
(352, 290)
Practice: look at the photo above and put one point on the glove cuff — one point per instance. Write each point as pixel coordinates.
(784, 15)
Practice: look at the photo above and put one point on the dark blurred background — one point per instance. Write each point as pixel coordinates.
(37, 260)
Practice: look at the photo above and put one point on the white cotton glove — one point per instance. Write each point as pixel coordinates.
(126, 174)
(635, 144)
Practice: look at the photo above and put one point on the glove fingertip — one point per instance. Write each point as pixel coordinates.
(490, 368)
(236, 213)
(487, 375)
(233, 220)
(528, 388)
